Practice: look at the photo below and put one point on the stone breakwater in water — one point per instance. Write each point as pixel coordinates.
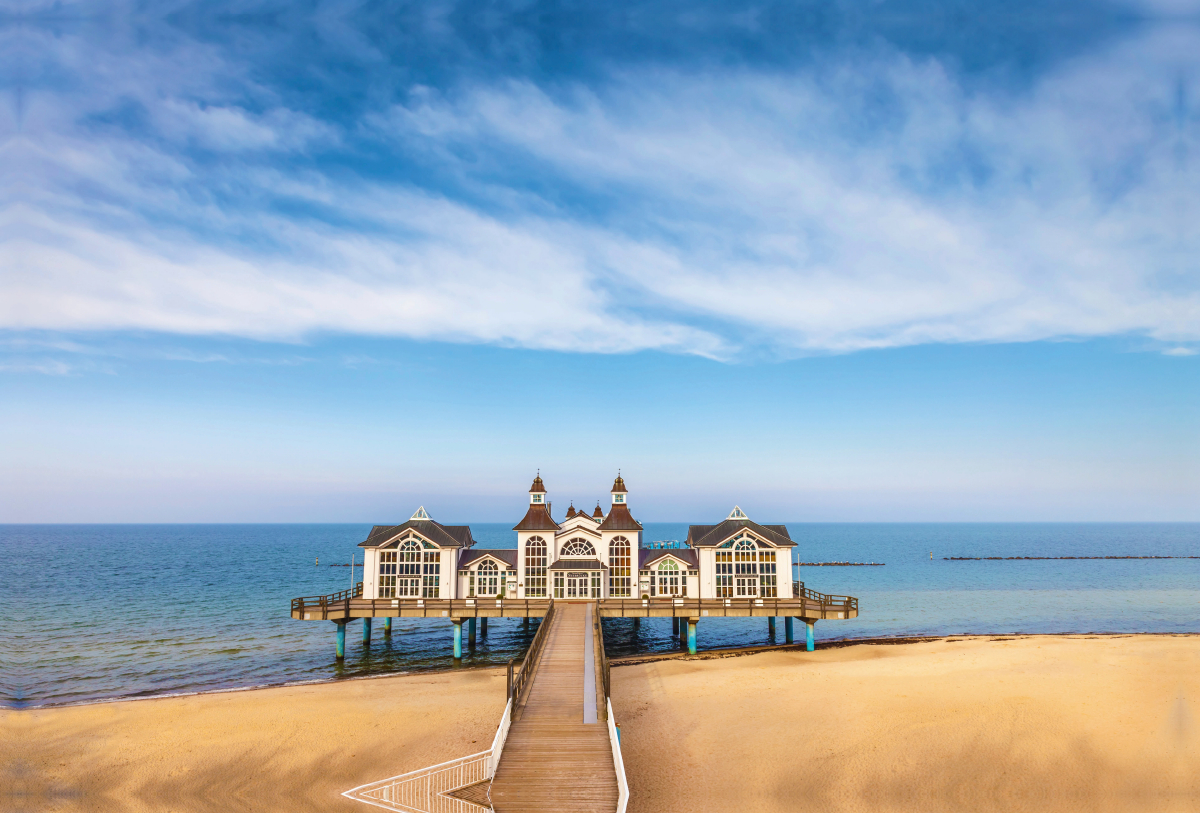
(1049, 558)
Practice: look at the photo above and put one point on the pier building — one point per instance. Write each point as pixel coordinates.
(557, 747)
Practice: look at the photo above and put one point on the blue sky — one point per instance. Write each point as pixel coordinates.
(324, 262)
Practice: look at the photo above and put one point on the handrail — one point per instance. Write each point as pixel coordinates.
(614, 739)
(694, 607)
(598, 629)
(324, 602)
(517, 681)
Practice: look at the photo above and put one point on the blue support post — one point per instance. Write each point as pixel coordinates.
(366, 632)
(457, 638)
(341, 641)
(787, 629)
(387, 626)
(691, 636)
(771, 626)
(483, 626)
(471, 631)
(810, 640)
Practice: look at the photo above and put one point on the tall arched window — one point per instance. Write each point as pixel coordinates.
(578, 547)
(619, 583)
(488, 580)
(745, 567)
(408, 580)
(535, 567)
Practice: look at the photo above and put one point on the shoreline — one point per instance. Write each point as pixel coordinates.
(1075, 721)
(622, 660)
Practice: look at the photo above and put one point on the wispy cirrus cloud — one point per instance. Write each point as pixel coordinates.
(865, 198)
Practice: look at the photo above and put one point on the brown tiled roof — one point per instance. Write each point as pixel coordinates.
(537, 487)
(570, 510)
(444, 536)
(578, 564)
(506, 555)
(707, 536)
(537, 518)
(648, 557)
(599, 512)
(619, 486)
(619, 519)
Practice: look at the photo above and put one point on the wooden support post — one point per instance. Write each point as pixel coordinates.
(457, 638)
(366, 632)
(341, 640)
(471, 632)
(787, 630)
(387, 626)
(810, 638)
(691, 635)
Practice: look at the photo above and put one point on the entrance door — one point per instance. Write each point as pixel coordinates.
(747, 588)
(408, 588)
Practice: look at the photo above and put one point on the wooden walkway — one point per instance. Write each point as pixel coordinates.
(553, 760)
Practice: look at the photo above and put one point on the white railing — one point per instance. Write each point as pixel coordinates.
(618, 762)
(424, 791)
(499, 740)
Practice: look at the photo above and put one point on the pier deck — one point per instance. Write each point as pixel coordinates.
(558, 756)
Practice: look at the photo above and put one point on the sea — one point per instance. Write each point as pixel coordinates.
(92, 613)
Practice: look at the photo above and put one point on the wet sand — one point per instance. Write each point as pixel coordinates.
(1039, 723)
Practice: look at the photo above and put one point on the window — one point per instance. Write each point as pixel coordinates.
(537, 499)
(618, 498)
(745, 568)
(535, 567)
(668, 579)
(558, 584)
(619, 567)
(724, 573)
(578, 547)
(432, 575)
(408, 579)
(387, 574)
(766, 574)
(489, 579)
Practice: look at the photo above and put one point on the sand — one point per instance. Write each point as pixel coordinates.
(1041, 723)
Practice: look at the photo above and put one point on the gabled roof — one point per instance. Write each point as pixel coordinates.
(469, 557)
(709, 536)
(444, 536)
(648, 557)
(619, 519)
(537, 518)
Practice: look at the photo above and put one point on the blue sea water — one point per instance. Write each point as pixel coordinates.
(97, 612)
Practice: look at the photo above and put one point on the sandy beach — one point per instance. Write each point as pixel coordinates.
(1036, 723)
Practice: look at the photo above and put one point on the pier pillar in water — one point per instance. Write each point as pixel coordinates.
(525, 623)
(483, 626)
(771, 626)
(691, 635)
(457, 638)
(387, 626)
(787, 629)
(341, 640)
(675, 625)
(810, 638)
(471, 632)
(366, 632)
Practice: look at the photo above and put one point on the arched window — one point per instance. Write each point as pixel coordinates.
(745, 567)
(408, 580)
(535, 567)
(488, 579)
(669, 580)
(619, 567)
(579, 547)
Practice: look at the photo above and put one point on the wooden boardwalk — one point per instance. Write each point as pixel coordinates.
(553, 760)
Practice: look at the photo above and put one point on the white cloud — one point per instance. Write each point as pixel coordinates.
(870, 203)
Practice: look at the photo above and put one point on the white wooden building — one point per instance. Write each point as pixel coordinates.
(583, 557)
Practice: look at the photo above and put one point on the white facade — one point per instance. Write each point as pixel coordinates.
(582, 557)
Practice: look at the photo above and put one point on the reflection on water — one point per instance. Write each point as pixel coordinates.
(147, 610)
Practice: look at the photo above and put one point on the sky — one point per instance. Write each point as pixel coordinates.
(829, 261)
